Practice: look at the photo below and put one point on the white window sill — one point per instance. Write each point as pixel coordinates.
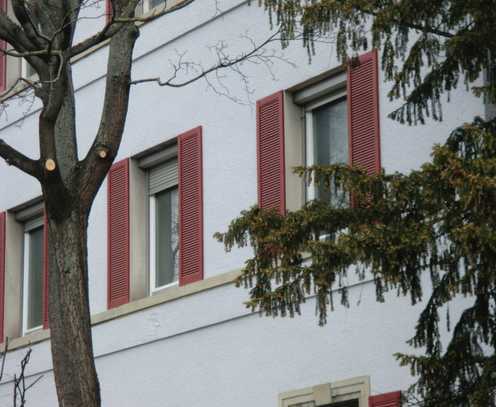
(159, 290)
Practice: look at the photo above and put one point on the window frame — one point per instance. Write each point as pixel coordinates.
(24, 70)
(29, 226)
(147, 8)
(144, 8)
(142, 267)
(489, 108)
(152, 253)
(309, 137)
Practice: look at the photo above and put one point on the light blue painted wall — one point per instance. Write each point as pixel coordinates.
(205, 350)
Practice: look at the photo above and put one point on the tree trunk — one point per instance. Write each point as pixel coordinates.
(69, 314)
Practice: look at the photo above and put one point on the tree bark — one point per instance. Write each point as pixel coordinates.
(69, 191)
(69, 314)
(69, 185)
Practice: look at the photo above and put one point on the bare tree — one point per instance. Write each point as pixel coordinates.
(21, 385)
(43, 34)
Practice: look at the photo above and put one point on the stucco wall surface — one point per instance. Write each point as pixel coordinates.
(206, 349)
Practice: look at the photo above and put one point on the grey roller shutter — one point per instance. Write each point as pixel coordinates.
(162, 176)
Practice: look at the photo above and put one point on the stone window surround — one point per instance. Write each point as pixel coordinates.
(357, 388)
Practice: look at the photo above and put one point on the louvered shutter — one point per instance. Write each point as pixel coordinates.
(392, 399)
(190, 206)
(270, 153)
(118, 277)
(3, 57)
(2, 273)
(108, 10)
(363, 113)
(46, 262)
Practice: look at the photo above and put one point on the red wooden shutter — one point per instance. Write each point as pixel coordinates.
(3, 57)
(363, 113)
(2, 274)
(190, 206)
(108, 10)
(46, 262)
(386, 400)
(270, 153)
(118, 234)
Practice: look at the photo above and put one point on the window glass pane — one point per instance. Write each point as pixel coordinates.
(155, 3)
(167, 237)
(331, 144)
(35, 279)
(28, 69)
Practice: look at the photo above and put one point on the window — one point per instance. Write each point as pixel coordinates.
(143, 203)
(33, 276)
(346, 393)
(490, 105)
(327, 142)
(330, 119)
(154, 197)
(163, 225)
(25, 269)
(27, 71)
(148, 5)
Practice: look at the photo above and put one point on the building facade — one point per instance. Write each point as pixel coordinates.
(169, 326)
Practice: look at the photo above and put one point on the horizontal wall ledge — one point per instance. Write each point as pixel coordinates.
(167, 295)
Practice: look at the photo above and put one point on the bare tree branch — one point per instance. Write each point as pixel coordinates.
(115, 24)
(223, 63)
(4, 353)
(157, 12)
(115, 106)
(14, 34)
(30, 27)
(21, 387)
(19, 160)
(18, 39)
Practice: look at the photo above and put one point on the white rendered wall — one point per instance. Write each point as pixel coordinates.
(206, 350)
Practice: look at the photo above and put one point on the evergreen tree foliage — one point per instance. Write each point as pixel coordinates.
(438, 221)
(427, 46)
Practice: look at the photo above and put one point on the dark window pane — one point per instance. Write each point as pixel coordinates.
(35, 279)
(331, 144)
(167, 237)
(350, 403)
